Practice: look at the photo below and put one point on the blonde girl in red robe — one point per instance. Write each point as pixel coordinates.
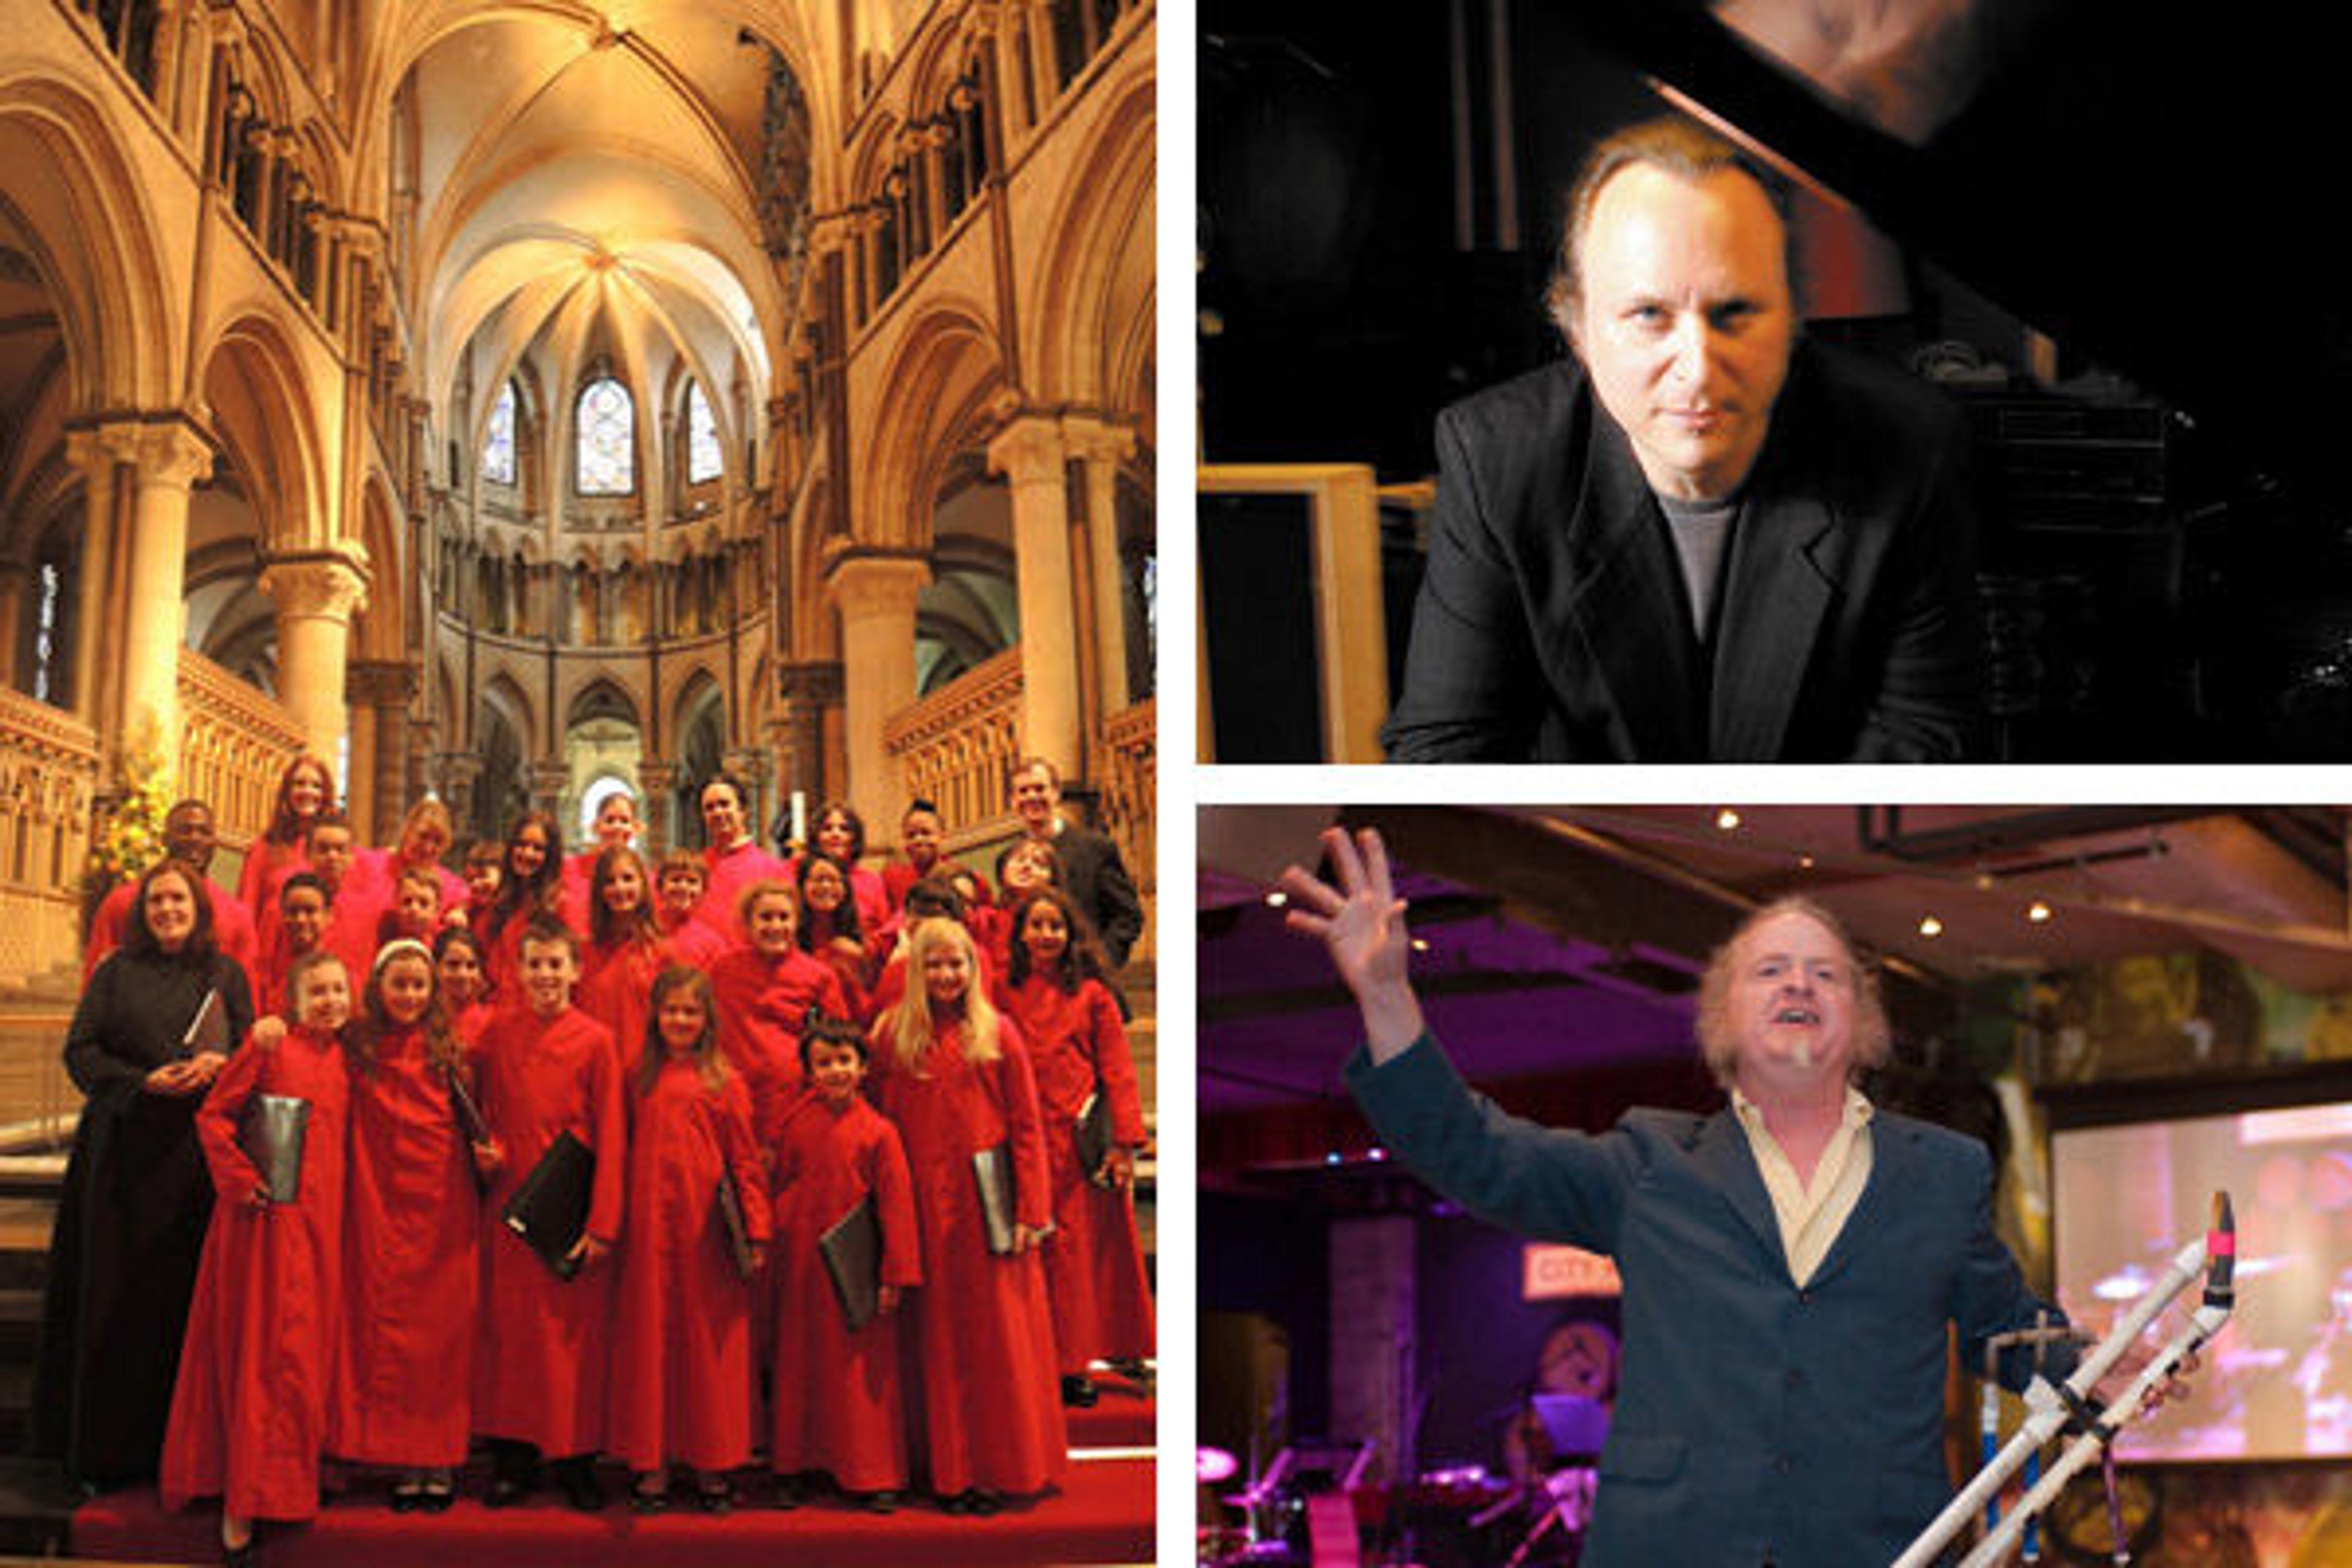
(765, 990)
(682, 1341)
(1056, 989)
(249, 1413)
(547, 1068)
(410, 1241)
(838, 1409)
(954, 1078)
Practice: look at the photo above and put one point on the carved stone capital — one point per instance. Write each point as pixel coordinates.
(867, 584)
(1029, 450)
(321, 584)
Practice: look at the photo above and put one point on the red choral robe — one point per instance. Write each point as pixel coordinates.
(838, 1407)
(688, 941)
(538, 1363)
(761, 1001)
(681, 1369)
(983, 1338)
(267, 867)
(233, 930)
(616, 984)
(412, 1248)
(726, 874)
(1094, 1258)
(249, 1413)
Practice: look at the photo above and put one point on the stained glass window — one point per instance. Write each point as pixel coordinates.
(498, 445)
(607, 455)
(702, 457)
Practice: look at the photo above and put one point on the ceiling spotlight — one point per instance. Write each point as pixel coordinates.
(1930, 926)
(2038, 911)
(1726, 820)
(1805, 862)
(1420, 944)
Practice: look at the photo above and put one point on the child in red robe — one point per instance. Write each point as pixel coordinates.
(765, 990)
(301, 927)
(546, 1068)
(461, 990)
(679, 884)
(954, 1078)
(249, 1412)
(833, 928)
(625, 946)
(838, 1409)
(682, 1340)
(412, 1240)
(1095, 1279)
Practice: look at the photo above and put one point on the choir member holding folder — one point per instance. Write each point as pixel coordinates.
(698, 1203)
(550, 1091)
(249, 1413)
(954, 1077)
(846, 1249)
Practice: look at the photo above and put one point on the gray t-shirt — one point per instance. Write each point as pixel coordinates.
(1701, 533)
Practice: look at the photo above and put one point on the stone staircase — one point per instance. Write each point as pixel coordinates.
(38, 1107)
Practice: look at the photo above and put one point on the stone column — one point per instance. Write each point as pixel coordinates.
(379, 693)
(16, 585)
(166, 459)
(757, 770)
(456, 774)
(97, 453)
(1100, 447)
(1030, 454)
(546, 782)
(658, 797)
(875, 596)
(316, 592)
(804, 693)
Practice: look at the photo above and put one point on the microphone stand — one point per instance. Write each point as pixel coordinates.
(2070, 1407)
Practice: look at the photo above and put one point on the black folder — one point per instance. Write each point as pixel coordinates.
(730, 1207)
(208, 1030)
(270, 1130)
(1093, 1133)
(549, 1210)
(852, 1247)
(993, 1170)
(471, 1126)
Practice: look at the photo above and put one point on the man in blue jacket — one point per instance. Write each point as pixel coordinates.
(1790, 1263)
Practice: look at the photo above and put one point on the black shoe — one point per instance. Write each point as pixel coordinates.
(1079, 1390)
(246, 1556)
(435, 1499)
(506, 1491)
(715, 1496)
(877, 1502)
(983, 1502)
(576, 1480)
(791, 1492)
(406, 1500)
(644, 1498)
(959, 1502)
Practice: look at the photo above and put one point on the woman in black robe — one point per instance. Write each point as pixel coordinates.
(131, 1220)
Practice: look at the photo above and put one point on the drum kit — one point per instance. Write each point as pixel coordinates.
(1290, 1516)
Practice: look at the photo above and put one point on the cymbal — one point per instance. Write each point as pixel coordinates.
(1210, 1465)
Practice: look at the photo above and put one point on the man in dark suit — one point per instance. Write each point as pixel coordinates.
(1790, 1263)
(1703, 540)
(1093, 874)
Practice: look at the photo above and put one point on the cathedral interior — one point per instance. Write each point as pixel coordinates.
(520, 401)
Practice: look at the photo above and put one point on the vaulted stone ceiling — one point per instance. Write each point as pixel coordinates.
(586, 185)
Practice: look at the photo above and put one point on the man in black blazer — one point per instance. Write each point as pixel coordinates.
(1704, 540)
(1093, 873)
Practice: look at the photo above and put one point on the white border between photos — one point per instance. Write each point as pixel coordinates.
(1184, 787)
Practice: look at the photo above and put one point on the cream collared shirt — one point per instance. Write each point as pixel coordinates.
(1810, 1214)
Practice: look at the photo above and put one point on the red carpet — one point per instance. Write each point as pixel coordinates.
(1102, 1515)
(1122, 1420)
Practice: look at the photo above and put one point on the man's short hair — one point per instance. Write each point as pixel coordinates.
(1033, 765)
(1683, 148)
(1718, 1037)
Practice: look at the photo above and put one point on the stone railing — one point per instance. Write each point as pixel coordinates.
(48, 789)
(956, 747)
(1130, 752)
(233, 742)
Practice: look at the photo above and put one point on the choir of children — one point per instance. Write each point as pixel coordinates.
(875, 1191)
